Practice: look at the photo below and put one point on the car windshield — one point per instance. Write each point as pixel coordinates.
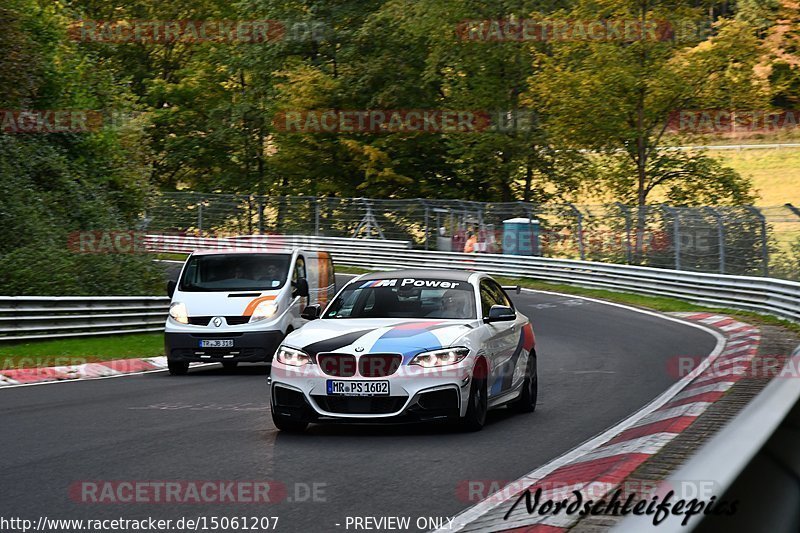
(405, 298)
(235, 272)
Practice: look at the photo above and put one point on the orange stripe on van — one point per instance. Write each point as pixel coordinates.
(324, 278)
(253, 304)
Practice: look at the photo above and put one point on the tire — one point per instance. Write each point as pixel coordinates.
(478, 406)
(289, 425)
(526, 403)
(177, 368)
(230, 365)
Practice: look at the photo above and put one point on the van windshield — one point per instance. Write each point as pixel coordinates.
(235, 272)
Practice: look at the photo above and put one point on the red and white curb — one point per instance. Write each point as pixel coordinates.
(598, 467)
(102, 369)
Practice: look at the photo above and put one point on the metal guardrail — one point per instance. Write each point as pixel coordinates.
(770, 146)
(47, 317)
(187, 244)
(31, 318)
(764, 295)
(755, 459)
(25, 318)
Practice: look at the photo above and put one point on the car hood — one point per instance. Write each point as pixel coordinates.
(221, 303)
(362, 335)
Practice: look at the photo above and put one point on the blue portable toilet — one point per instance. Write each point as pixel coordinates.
(521, 236)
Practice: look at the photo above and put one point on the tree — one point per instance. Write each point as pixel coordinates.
(616, 96)
(54, 184)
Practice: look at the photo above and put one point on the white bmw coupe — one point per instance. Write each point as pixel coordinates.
(406, 346)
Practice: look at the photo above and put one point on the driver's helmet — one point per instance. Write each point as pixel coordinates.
(455, 303)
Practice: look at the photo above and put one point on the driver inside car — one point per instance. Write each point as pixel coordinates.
(455, 304)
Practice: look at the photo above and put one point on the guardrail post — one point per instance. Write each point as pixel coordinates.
(249, 214)
(676, 234)
(764, 238)
(579, 220)
(720, 237)
(427, 229)
(200, 219)
(260, 215)
(626, 212)
(316, 216)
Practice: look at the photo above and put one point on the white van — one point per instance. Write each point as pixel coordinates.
(233, 306)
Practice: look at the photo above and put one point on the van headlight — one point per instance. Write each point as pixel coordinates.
(263, 311)
(292, 357)
(443, 357)
(178, 312)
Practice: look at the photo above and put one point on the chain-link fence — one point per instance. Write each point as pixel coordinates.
(742, 240)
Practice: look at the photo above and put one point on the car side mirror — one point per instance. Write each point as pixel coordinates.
(501, 313)
(300, 288)
(171, 285)
(311, 312)
(512, 288)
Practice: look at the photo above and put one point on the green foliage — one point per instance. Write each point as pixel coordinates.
(52, 185)
(202, 116)
(616, 97)
(80, 351)
(759, 14)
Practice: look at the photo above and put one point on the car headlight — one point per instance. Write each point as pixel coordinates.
(292, 357)
(443, 357)
(179, 313)
(263, 311)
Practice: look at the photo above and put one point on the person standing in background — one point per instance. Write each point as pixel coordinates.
(472, 240)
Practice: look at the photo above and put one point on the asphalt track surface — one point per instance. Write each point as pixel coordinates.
(597, 365)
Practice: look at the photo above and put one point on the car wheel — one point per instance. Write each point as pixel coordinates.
(177, 368)
(478, 402)
(230, 365)
(289, 425)
(526, 403)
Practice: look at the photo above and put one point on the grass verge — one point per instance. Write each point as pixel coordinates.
(340, 269)
(80, 350)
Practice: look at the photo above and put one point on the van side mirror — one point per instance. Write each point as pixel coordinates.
(311, 312)
(300, 288)
(171, 285)
(501, 313)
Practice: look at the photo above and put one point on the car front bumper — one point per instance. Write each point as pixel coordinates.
(415, 395)
(248, 346)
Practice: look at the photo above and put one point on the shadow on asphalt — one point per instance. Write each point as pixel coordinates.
(494, 417)
(255, 369)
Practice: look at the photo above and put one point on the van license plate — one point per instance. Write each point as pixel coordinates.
(216, 343)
